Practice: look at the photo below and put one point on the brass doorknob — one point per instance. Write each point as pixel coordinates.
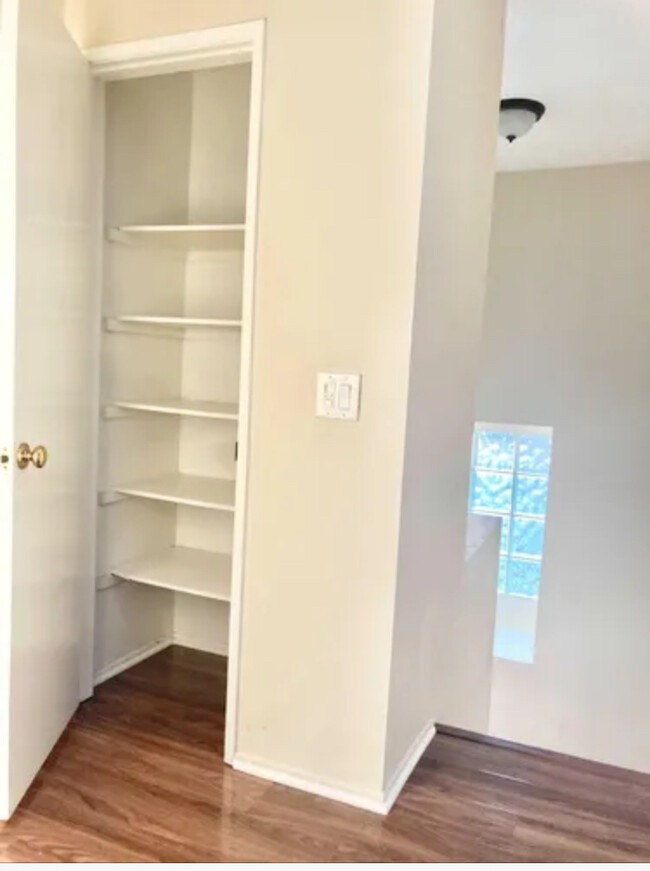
(26, 455)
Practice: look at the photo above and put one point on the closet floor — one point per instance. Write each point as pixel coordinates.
(138, 776)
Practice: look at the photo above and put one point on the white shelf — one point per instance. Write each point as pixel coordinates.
(184, 570)
(165, 321)
(199, 492)
(184, 407)
(187, 237)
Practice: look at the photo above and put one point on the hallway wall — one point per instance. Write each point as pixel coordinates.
(452, 263)
(567, 344)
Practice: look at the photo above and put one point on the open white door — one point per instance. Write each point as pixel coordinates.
(46, 384)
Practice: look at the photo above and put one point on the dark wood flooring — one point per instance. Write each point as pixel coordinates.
(138, 777)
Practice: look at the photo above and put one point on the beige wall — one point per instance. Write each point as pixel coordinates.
(96, 22)
(451, 282)
(466, 683)
(344, 130)
(566, 345)
(342, 166)
(341, 175)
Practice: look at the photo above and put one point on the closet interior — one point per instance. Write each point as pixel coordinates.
(174, 327)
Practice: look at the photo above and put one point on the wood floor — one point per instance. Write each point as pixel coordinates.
(138, 777)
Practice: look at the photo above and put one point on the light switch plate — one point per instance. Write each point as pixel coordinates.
(337, 396)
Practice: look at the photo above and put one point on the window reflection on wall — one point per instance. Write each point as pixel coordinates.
(511, 466)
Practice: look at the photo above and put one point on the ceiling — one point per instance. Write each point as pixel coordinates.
(589, 62)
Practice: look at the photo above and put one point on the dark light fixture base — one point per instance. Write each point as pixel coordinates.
(524, 103)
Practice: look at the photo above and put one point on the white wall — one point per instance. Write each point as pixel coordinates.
(176, 149)
(467, 673)
(141, 185)
(566, 344)
(451, 284)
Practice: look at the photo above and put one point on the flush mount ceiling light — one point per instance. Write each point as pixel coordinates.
(517, 116)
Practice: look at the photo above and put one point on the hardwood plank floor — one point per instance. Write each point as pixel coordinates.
(138, 777)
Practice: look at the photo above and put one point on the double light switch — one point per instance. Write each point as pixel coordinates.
(338, 396)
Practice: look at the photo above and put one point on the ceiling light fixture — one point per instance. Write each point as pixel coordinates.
(517, 116)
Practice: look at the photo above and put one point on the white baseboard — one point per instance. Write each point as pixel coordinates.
(378, 804)
(303, 782)
(381, 803)
(148, 650)
(406, 766)
(219, 647)
(130, 659)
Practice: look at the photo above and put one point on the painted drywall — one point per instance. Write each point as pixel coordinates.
(342, 163)
(566, 345)
(219, 157)
(451, 284)
(170, 142)
(467, 677)
(97, 22)
(142, 184)
(344, 128)
(211, 364)
(341, 175)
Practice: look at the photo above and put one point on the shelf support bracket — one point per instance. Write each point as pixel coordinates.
(105, 582)
(110, 497)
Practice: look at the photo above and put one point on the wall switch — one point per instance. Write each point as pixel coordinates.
(337, 396)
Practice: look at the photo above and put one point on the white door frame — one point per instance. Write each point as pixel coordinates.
(200, 49)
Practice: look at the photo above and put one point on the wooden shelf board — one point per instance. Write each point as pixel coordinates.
(199, 492)
(167, 321)
(184, 236)
(184, 407)
(184, 570)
